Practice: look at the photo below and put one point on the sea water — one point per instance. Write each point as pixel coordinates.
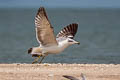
(98, 33)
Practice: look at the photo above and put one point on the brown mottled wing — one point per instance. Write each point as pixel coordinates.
(44, 30)
(68, 31)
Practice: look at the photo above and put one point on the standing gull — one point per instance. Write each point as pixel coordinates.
(49, 44)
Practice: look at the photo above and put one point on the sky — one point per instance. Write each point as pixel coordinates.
(61, 3)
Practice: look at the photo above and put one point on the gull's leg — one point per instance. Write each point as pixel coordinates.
(36, 60)
(41, 59)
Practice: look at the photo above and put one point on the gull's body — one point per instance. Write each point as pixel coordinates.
(49, 44)
(53, 49)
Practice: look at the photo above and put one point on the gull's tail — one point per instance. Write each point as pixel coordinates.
(29, 50)
(34, 51)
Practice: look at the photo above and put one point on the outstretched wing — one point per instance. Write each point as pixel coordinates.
(70, 77)
(44, 30)
(68, 31)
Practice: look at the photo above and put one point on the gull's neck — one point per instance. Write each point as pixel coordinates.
(63, 44)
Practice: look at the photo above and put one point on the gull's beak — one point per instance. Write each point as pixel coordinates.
(77, 42)
(73, 42)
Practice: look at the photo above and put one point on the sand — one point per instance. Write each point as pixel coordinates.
(57, 71)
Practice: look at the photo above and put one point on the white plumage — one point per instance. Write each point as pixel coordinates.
(49, 44)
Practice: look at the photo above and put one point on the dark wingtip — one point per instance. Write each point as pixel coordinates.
(29, 50)
(70, 77)
(41, 8)
(41, 11)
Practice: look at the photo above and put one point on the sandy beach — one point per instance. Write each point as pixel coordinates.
(57, 71)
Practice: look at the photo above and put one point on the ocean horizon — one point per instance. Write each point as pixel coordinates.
(98, 33)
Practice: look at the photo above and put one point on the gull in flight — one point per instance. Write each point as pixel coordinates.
(49, 44)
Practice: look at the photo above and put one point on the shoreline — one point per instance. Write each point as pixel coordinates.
(58, 71)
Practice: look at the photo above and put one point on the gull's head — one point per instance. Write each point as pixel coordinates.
(71, 41)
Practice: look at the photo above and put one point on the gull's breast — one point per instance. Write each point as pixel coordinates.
(55, 49)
